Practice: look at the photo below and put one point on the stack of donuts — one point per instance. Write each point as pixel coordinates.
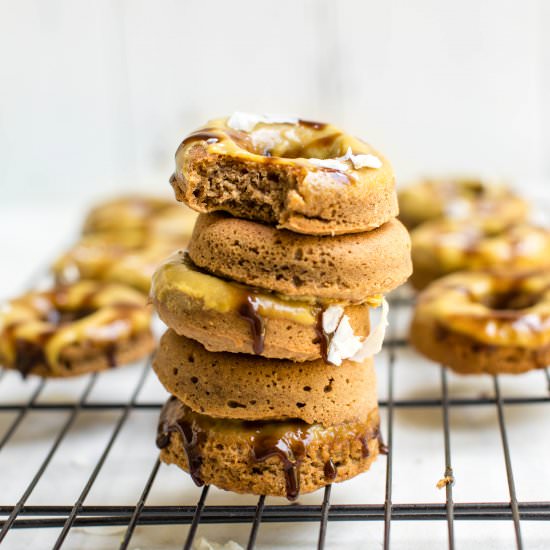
(268, 352)
(486, 273)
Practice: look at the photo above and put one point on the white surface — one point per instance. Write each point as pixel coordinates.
(97, 95)
(417, 450)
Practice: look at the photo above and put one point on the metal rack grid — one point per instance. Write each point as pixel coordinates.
(77, 514)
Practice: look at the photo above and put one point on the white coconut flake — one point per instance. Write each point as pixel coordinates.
(265, 138)
(341, 163)
(344, 344)
(458, 208)
(331, 317)
(372, 344)
(247, 121)
(334, 164)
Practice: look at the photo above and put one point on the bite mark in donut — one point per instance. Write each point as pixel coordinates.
(307, 177)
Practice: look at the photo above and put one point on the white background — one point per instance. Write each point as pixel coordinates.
(96, 96)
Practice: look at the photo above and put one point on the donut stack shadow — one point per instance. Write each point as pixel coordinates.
(268, 352)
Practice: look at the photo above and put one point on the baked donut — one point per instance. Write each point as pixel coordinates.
(493, 205)
(246, 387)
(75, 329)
(116, 257)
(146, 216)
(265, 458)
(308, 177)
(440, 247)
(224, 315)
(348, 268)
(479, 322)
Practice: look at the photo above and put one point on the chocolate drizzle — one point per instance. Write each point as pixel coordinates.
(330, 470)
(382, 447)
(290, 443)
(322, 337)
(312, 124)
(203, 135)
(192, 437)
(27, 356)
(249, 311)
(291, 453)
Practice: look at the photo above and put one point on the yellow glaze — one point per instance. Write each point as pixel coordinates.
(492, 203)
(178, 274)
(292, 144)
(467, 303)
(145, 216)
(109, 313)
(453, 245)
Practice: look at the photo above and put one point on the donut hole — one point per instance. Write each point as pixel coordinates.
(59, 316)
(298, 141)
(512, 300)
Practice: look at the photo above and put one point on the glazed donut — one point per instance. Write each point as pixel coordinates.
(144, 216)
(493, 205)
(440, 247)
(116, 257)
(348, 268)
(224, 315)
(265, 458)
(308, 177)
(75, 329)
(479, 322)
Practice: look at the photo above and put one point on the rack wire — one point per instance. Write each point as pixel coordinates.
(20, 515)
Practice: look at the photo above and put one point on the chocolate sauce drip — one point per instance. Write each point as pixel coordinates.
(192, 437)
(382, 447)
(330, 470)
(203, 135)
(364, 439)
(27, 356)
(110, 354)
(312, 124)
(291, 453)
(322, 337)
(248, 310)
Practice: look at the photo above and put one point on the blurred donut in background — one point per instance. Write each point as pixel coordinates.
(444, 246)
(124, 240)
(492, 204)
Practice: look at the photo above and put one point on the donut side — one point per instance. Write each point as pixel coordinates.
(253, 388)
(231, 331)
(466, 355)
(270, 458)
(346, 267)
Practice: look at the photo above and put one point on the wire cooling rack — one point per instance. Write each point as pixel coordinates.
(323, 517)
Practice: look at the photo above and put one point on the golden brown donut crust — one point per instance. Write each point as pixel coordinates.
(492, 204)
(227, 316)
(445, 246)
(253, 388)
(485, 323)
(347, 267)
(242, 457)
(266, 174)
